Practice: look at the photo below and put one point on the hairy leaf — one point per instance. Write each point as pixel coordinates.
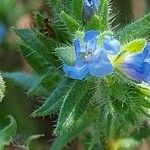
(66, 137)
(138, 29)
(53, 101)
(71, 105)
(7, 133)
(31, 139)
(103, 13)
(78, 9)
(96, 24)
(71, 24)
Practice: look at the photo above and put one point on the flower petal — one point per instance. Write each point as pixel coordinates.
(133, 73)
(146, 51)
(111, 46)
(78, 71)
(90, 40)
(101, 66)
(146, 72)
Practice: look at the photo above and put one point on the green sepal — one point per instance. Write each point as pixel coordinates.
(71, 24)
(135, 46)
(66, 54)
(80, 35)
(7, 133)
(2, 88)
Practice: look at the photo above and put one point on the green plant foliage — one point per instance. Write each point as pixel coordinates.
(96, 24)
(103, 13)
(53, 102)
(71, 107)
(30, 139)
(81, 125)
(78, 9)
(69, 22)
(7, 133)
(138, 29)
(102, 109)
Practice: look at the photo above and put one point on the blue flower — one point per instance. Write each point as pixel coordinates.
(137, 66)
(91, 58)
(90, 7)
(2, 32)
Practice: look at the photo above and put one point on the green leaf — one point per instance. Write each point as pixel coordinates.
(135, 46)
(103, 14)
(66, 137)
(66, 54)
(78, 9)
(39, 20)
(34, 59)
(36, 48)
(24, 79)
(144, 98)
(71, 24)
(53, 101)
(7, 133)
(71, 105)
(138, 29)
(96, 24)
(31, 139)
(2, 88)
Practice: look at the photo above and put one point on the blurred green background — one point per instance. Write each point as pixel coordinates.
(16, 101)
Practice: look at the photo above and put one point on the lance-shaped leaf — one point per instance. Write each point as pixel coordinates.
(96, 24)
(78, 9)
(7, 133)
(31, 139)
(2, 88)
(35, 50)
(71, 103)
(103, 13)
(39, 20)
(71, 24)
(54, 100)
(138, 29)
(81, 125)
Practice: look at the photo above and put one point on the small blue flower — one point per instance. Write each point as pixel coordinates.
(2, 32)
(91, 58)
(90, 7)
(137, 66)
